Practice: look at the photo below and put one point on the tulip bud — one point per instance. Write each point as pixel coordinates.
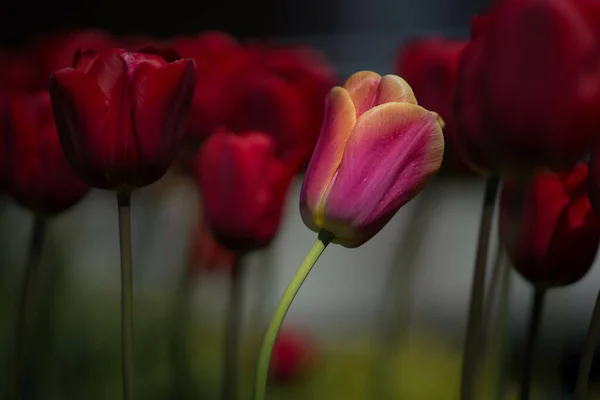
(528, 87)
(207, 253)
(548, 227)
(121, 116)
(39, 177)
(376, 151)
(244, 186)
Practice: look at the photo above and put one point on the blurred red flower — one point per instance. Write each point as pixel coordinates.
(294, 354)
(276, 90)
(244, 187)
(430, 66)
(54, 52)
(39, 176)
(529, 86)
(121, 116)
(18, 72)
(548, 226)
(207, 253)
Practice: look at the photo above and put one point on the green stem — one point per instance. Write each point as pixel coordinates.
(124, 202)
(178, 341)
(27, 293)
(535, 320)
(232, 333)
(587, 356)
(472, 354)
(264, 358)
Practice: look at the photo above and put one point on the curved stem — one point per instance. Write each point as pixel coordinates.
(26, 296)
(264, 358)
(535, 320)
(124, 201)
(587, 356)
(472, 346)
(232, 333)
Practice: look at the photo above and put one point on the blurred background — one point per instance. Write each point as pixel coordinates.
(387, 319)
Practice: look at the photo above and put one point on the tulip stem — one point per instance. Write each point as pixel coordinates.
(587, 356)
(473, 337)
(535, 320)
(28, 284)
(124, 203)
(232, 332)
(264, 358)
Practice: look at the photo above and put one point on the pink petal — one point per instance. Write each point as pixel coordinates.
(338, 122)
(161, 104)
(392, 152)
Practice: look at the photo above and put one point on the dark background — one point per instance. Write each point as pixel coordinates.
(256, 18)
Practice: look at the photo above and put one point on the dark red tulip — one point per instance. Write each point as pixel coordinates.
(38, 174)
(293, 356)
(244, 187)
(430, 66)
(121, 116)
(529, 86)
(548, 226)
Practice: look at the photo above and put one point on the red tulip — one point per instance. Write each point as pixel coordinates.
(430, 66)
(529, 86)
(293, 356)
(121, 116)
(548, 227)
(39, 176)
(244, 188)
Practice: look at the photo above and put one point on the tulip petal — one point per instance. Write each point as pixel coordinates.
(112, 74)
(363, 87)
(390, 155)
(337, 125)
(394, 89)
(80, 113)
(160, 107)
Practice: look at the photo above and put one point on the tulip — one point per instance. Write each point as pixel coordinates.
(551, 236)
(293, 356)
(377, 150)
(430, 66)
(548, 226)
(244, 186)
(121, 116)
(529, 85)
(39, 177)
(276, 90)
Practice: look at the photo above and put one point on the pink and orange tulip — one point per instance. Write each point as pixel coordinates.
(376, 151)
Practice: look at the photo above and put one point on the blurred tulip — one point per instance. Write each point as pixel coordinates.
(377, 150)
(39, 177)
(121, 116)
(244, 187)
(57, 51)
(207, 253)
(276, 90)
(529, 86)
(548, 227)
(430, 66)
(293, 356)
(18, 73)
